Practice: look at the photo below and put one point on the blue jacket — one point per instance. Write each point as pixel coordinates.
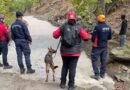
(19, 30)
(101, 34)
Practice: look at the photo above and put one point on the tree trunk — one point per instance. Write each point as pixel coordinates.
(101, 7)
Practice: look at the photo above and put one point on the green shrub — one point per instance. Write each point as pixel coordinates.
(90, 8)
(9, 7)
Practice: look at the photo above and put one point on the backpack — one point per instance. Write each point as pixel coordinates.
(70, 35)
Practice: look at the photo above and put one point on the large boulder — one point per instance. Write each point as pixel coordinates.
(120, 54)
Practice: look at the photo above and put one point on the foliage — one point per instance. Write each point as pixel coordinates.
(84, 8)
(9, 7)
(89, 8)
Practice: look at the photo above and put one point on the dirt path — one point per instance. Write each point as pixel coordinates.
(14, 82)
(41, 32)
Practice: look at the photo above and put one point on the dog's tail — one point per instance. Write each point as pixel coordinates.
(55, 67)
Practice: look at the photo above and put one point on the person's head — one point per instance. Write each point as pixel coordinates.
(101, 18)
(123, 16)
(19, 15)
(71, 18)
(2, 18)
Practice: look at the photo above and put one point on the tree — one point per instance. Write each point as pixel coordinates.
(9, 7)
(101, 6)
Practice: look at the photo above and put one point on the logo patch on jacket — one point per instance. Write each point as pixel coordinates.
(105, 29)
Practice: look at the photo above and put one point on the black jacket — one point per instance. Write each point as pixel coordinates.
(19, 30)
(76, 49)
(123, 27)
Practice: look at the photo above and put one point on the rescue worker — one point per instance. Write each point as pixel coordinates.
(71, 35)
(4, 41)
(123, 31)
(22, 39)
(101, 35)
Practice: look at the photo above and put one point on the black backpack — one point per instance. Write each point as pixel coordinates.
(70, 35)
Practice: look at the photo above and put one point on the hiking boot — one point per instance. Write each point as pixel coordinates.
(1, 65)
(22, 71)
(96, 77)
(72, 88)
(62, 86)
(8, 67)
(102, 76)
(30, 71)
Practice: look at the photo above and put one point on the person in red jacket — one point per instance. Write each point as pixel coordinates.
(71, 35)
(4, 40)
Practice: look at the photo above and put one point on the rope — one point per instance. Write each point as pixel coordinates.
(57, 47)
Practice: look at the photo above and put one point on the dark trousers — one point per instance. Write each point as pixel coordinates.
(4, 52)
(22, 47)
(96, 53)
(69, 65)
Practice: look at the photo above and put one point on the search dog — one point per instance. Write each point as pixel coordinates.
(49, 63)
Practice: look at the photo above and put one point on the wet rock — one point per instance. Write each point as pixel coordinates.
(120, 54)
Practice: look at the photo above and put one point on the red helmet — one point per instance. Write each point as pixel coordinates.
(71, 16)
(2, 16)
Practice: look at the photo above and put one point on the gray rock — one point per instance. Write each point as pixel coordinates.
(109, 86)
(124, 68)
(97, 88)
(124, 77)
(128, 71)
(120, 54)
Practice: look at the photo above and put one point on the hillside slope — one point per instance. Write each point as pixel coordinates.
(115, 22)
(52, 8)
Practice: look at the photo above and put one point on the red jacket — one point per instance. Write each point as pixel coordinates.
(4, 35)
(83, 34)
